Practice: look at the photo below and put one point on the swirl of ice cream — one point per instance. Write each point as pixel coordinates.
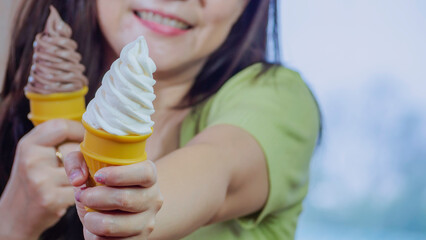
(56, 63)
(123, 104)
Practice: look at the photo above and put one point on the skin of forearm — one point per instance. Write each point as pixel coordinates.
(220, 175)
(13, 226)
(190, 199)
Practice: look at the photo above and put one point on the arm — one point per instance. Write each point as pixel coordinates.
(221, 174)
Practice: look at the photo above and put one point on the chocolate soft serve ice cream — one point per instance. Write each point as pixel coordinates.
(56, 63)
(56, 85)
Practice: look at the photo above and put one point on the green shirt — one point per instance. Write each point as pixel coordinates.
(279, 111)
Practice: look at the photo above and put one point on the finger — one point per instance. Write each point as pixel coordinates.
(140, 174)
(67, 197)
(59, 176)
(43, 155)
(88, 235)
(56, 131)
(59, 200)
(119, 224)
(134, 200)
(76, 168)
(81, 209)
(68, 147)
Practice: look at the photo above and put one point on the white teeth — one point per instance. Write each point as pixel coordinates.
(180, 25)
(175, 24)
(157, 18)
(164, 21)
(150, 16)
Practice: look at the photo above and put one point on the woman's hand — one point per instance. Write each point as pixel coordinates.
(38, 192)
(126, 203)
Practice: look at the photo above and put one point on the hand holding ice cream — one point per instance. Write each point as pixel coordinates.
(118, 120)
(118, 123)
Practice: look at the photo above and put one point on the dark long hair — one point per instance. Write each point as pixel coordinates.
(245, 45)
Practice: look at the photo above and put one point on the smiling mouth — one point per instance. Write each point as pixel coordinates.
(163, 20)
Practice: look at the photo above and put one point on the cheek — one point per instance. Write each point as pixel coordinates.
(223, 11)
(216, 21)
(219, 18)
(108, 14)
(116, 23)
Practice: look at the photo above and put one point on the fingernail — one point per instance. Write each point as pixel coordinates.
(75, 173)
(99, 177)
(78, 193)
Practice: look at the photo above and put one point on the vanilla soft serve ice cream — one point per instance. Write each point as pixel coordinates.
(123, 104)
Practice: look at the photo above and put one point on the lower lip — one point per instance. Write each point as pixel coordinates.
(161, 29)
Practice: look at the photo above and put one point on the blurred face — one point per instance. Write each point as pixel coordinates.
(180, 33)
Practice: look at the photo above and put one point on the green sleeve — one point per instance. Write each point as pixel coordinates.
(279, 111)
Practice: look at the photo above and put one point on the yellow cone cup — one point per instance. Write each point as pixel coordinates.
(45, 107)
(101, 149)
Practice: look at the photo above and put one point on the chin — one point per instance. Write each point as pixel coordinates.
(168, 61)
(119, 41)
(166, 67)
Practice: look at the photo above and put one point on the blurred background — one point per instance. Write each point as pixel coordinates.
(366, 62)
